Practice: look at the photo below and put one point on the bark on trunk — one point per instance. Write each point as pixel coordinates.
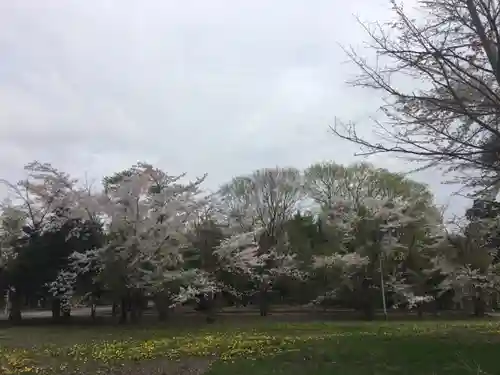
(479, 303)
(162, 315)
(420, 310)
(92, 311)
(14, 307)
(368, 311)
(479, 307)
(136, 307)
(494, 301)
(134, 315)
(162, 307)
(264, 299)
(367, 305)
(56, 309)
(263, 303)
(66, 314)
(123, 311)
(210, 318)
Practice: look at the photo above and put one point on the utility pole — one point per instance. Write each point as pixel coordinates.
(382, 287)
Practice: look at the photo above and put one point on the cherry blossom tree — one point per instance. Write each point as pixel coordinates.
(47, 205)
(146, 214)
(242, 254)
(469, 263)
(11, 229)
(371, 248)
(258, 206)
(47, 196)
(337, 271)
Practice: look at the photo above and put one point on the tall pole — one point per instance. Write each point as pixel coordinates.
(382, 287)
(7, 303)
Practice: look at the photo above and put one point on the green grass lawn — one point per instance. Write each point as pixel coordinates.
(256, 348)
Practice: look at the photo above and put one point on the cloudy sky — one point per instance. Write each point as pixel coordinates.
(219, 86)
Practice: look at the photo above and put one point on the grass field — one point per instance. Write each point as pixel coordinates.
(256, 348)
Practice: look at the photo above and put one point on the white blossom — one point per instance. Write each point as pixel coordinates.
(63, 288)
(341, 260)
(240, 252)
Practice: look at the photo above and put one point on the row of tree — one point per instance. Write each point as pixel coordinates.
(356, 236)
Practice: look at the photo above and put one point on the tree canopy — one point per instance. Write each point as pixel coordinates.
(355, 236)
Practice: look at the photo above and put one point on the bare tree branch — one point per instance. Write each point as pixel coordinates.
(452, 119)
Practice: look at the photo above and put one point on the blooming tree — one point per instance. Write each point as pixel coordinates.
(242, 254)
(372, 245)
(468, 263)
(48, 209)
(145, 213)
(47, 197)
(11, 223)
(338, 271)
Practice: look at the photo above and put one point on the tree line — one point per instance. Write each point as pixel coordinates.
(353, 236)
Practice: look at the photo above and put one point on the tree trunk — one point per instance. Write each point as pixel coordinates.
(66, 314)
(56, 309)
(14, 306)
(368, 310)
(114, 309)
(479, 303)
(420, 310)
(494, 301)
(33, 303)
(210, 311)
(142, 303)
(92, 311)
(134, 313)
(479, 306)
(367, 301)
(264, 298)
(435, 307)
(124, 306)
(163, 315)
(263, 303)
(136, 307)
(162, 306)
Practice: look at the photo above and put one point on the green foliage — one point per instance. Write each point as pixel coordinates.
(327, 182)
(41, 255)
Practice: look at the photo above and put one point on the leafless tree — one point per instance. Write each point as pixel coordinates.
(267, 198)
(325, 182)
(451, 51)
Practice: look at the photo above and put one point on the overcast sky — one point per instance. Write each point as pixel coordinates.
(219, 86)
